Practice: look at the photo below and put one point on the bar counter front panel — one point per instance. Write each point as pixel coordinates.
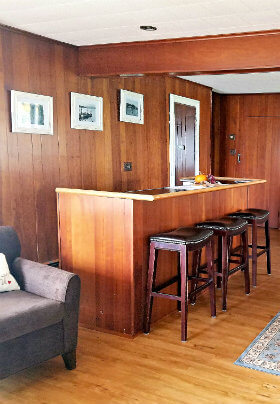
(104, 237)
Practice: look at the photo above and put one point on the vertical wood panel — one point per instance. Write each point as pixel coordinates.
(25, 203)
(93, 234)
(5, 194)
(216, 144)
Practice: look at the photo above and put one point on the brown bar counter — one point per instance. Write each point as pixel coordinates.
(104, 237)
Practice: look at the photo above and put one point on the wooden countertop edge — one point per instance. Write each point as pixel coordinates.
(107, 194)
(150, 198)
(213, 189)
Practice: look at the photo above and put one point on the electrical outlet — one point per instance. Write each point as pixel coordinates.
(127, 166)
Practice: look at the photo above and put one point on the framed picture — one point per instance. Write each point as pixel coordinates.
(31, 113)
(131, 107)
(86, 112)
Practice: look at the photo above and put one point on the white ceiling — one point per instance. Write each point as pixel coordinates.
(89, 22)
(245, 83)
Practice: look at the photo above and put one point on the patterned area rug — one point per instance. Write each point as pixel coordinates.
(264, 352)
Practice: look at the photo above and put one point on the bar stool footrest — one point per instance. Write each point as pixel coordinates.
(233, 270)
(261, 247)
(166, 284)
(259, 253)
(165, 296)
(235, 249)
(233, 261)
(199, 289)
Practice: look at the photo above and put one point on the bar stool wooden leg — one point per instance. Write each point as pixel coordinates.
(211, 275)
(184, 292)
(242, 249)
(179, 281)
(150, 285)
(229, 244)
(219, 262)
(254, 252)
(224, 271)
(245, 261)
(195, 273)
(267, 245)
(230, 240)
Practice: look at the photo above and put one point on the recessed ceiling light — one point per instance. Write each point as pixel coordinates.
(148, 28)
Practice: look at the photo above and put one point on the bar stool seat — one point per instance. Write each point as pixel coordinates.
(183, 240)
(231, 225)
(190, 236)
(255, 217)
(225, 228)
(252, 214)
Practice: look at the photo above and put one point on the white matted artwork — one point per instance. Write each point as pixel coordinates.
(131, 107)
(31, 113)
(86, 112)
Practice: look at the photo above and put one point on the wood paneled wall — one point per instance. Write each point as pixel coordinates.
(32, 166)
(216, 143)
(255, 120)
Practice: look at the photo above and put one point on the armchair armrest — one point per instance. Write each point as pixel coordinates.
(56, 284)
(41, 279)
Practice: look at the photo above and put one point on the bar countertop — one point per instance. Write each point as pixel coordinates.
(169, 192)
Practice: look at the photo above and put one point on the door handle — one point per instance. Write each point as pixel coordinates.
(238, 158)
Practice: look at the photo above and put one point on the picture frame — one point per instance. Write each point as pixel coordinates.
(31, 113)
(86, 112)
(131, 107)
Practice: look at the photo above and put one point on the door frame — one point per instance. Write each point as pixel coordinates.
(177, 99)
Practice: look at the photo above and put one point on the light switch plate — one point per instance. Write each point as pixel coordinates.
(127, 166)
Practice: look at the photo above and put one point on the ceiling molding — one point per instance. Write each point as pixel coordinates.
(243, 52)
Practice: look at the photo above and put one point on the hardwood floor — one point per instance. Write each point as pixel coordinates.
(159, 368)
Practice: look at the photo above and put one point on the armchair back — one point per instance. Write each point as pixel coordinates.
(9, 244)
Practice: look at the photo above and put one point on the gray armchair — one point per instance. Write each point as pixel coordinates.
(40, 321)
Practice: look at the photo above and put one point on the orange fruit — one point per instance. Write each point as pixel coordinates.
(200, 178)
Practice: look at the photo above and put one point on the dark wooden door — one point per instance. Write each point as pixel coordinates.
(184, 141)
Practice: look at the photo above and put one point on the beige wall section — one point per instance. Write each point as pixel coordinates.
(32, 166)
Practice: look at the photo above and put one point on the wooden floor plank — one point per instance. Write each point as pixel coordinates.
(158, 368)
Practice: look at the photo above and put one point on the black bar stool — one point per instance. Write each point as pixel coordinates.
(182, 240)
(255, 217)
(225, 228)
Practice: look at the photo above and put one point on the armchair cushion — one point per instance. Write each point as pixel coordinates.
(22, 313)
(7, 281)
